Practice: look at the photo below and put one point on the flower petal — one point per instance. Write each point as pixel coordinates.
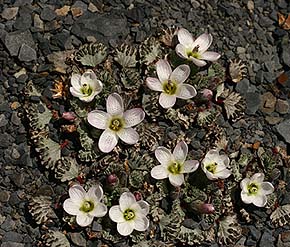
(154, 84)
(98, 119)
(203, 42)
(167, 101)
(108, 140)
(260, 201)
(197, 62)
(125, 228)
(127, 199)
(190, 166)
(76, 81)
(77, 193)
(186, 91)
(258, 177)
(159, 172)
(163, 155)
(115, 105)
(116, 214)
(128, 135)
(84, 219)
(246, 198)
(71, 207)
(185, 38)
(75, 93)
(90, 78)
(176, 180)
(99, 210)
(267, 188)
(225, 173)
(244, 184)
(144, 207)
(141, 223)
(95, 193)
(180, 152)
(210, 56)
(133, 117)
(181, 51)
(163, 70)
(224, 159)
(209, 175)
(180, 74)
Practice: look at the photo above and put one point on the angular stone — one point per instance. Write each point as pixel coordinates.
(253, 102)
(268, 102)
(12, 244)
(4, 196)
(78, 239)
(3, 120)
(273, 120)
(47, 14)
(27, 54)
(37, 22)
(282, 106)
(14, 40)
(63, 11)
(9, 13)
(284, 130)
(92, 8)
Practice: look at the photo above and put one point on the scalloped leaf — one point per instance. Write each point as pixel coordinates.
(229, 230)
(66, 169)
(40, 208)
(126, 56)
(281, 216)
(39, 116)
(150, 51)
(55, 239)
(91, 54)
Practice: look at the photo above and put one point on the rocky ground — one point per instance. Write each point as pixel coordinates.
(34, 34)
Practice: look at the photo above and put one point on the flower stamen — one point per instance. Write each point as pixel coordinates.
(212, 167)
(175, 168)
(253, 189)
(129, 214)
(116, 124)
(169, 87)
(86, 90)
(87, 206)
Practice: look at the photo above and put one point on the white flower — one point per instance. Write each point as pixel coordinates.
(173, 166)
(85, 205)
(116, 123)
(254, 190)
(195, 50)
(170, 83)
(130, 214)
(85, 87)
(215, 165)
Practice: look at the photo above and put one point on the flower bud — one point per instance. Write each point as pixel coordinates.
(138, 195)
(70, 116)
(203, 208)
(112, 180)
(206, 93)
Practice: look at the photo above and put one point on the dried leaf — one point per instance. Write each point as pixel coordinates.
(284, 21)
(237, 70)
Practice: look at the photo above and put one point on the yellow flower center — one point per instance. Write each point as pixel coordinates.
(211, 167)
(87, 206)
(86, 90)
(116, 124)
(194, 53)
(175, 168)
(252, 189)
(169, 87)
(129, 214)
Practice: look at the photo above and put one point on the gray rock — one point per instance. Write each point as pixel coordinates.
(47, 14)
(256, 234)
(78, 239)
(17, 179)
(253, 102)
(4, 196)
(267, 239)
(9, 13)
(14, 40)
(102, 27)
(97, 227)
(282, 106)
(12, 244)
(3, 120)
(284, 130)
(27, 54)
(243, 86)
(286, 54)
(12, 236)
(22, 2)
(15, 119)
(8, 224)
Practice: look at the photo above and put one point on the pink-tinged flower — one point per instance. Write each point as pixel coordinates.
(173, 166)
(85, 205)
(215, 165)
(195, 50)
(170, 83)
(130, 214)
(85, 86)
(116, 123)
(254, 190)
